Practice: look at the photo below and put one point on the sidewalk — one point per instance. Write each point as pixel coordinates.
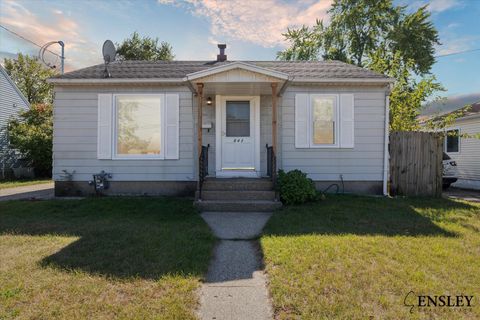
(34, 192)
(235, 286)
(462, 194)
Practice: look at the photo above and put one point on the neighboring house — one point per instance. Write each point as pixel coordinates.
(326, 118)
(463, 142)
(463, 146)
(12, 101)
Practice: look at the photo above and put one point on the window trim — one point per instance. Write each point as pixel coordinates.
(161, 155)
(459, 140)
(336, 137)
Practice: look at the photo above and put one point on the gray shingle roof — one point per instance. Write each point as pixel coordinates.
(179, 69)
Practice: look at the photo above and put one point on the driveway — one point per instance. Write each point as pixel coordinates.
(35, 192)
(462, 194)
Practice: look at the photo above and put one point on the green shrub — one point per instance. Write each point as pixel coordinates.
(295, 187)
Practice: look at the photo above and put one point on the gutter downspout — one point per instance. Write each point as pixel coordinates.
(386, 140)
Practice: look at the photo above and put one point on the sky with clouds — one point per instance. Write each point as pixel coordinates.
(252, 29)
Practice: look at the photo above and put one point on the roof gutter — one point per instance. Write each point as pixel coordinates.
(116, 81)
(284, 86)
(346, 80)
(186, 79)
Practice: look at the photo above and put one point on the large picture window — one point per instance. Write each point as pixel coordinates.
(138, 126)
(452, 141)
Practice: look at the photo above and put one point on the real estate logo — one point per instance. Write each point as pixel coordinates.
(426, 302)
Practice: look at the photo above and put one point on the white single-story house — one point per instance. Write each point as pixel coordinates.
(12, 102)
(146, 124)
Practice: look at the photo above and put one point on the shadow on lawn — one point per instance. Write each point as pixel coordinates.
(366, 216)
(118, 237)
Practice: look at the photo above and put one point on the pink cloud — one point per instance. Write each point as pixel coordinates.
(257, 21)
(79, 51)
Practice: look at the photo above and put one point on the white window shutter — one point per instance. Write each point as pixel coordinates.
(172, 117)
(347, 126)
(301, 121)
(104, 133)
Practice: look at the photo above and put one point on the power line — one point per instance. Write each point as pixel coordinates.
(28, 40)
(454, 53)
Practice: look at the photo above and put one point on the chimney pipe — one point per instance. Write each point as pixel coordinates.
(222, 56)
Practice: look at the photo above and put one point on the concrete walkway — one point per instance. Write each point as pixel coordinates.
(34, 192)
(235, 286)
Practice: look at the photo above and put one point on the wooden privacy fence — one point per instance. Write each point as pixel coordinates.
(416, 163)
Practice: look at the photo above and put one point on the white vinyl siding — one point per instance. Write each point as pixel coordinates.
(75, 137)
(362, 161)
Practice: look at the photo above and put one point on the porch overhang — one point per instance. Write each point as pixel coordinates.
(236, 78)
(207, 75)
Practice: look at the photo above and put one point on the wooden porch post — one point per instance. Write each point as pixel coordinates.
(199, 126)
(274, 117)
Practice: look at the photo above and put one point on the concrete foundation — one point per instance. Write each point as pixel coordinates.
(358, 187)
(128, 188)
(188, 188)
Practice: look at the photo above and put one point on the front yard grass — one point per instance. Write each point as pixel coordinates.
(106, 258)
(5, 184)
(352, 257)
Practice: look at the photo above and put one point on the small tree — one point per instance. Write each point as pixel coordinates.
(30, 77)
(146, 48)
(31, 133)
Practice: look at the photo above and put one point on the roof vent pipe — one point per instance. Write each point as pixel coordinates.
(222, 56)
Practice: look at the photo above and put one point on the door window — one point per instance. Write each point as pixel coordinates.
(238, 119)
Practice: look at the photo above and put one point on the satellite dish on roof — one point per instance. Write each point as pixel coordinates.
(109, 53)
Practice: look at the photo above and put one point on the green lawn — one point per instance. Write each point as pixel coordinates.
(357, 257)
(105, 258)
(5, 184)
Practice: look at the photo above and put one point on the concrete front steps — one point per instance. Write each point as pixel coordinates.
(237, 195)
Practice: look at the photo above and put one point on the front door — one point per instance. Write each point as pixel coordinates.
(238, 137)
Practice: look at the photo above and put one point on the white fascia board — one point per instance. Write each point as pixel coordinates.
(235, 65)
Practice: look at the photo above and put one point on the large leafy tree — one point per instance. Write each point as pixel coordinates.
(380, 36)
(30, 76)
(144, 48)
(31, 133)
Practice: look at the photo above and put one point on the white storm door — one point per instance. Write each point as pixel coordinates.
(238, 135)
